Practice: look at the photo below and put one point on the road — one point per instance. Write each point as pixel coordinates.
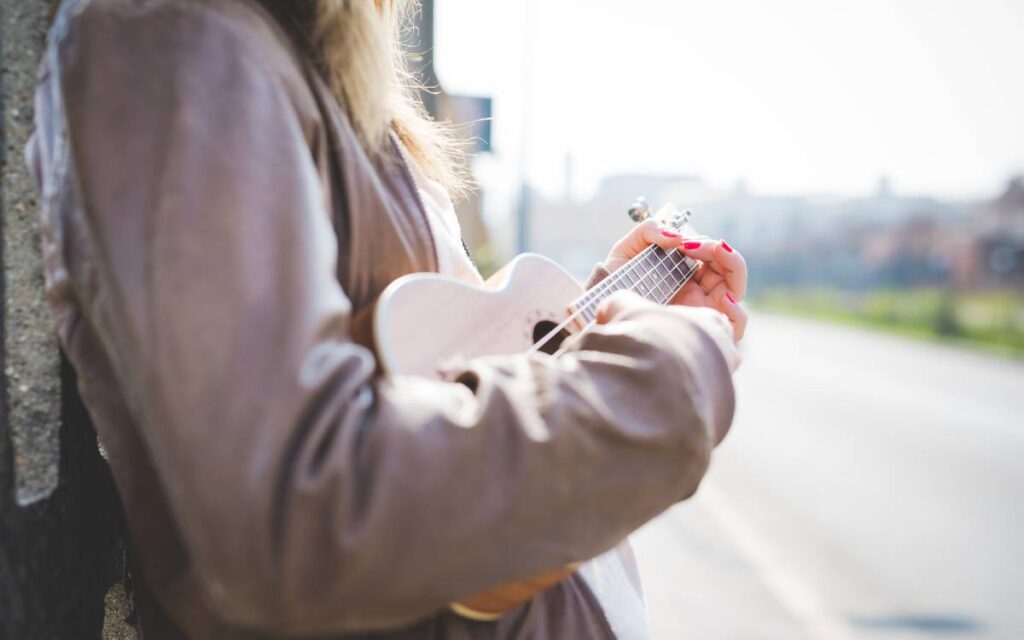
(872, 487)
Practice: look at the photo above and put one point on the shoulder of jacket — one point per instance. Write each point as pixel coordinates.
(241, 22)
(186, 29)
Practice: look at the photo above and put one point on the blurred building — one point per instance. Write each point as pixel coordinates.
(995, 256)
(881, 240)
(471, 116)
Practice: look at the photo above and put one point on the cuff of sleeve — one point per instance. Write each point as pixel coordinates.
(713, 393)
(597, 275)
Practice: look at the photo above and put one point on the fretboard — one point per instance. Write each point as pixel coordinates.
(654, 274)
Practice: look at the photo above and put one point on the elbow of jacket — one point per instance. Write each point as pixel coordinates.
(704, 413)
(288, 591)
(245, 577)
(695, 466)
(314, 609)
(260, 600)
(244, 591)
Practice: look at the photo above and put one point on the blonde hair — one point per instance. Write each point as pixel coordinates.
(359, 42)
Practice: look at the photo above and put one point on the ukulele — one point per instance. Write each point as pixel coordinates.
(530, 305)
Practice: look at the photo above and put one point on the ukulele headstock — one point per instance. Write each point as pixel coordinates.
(669, 216)
(641, 210)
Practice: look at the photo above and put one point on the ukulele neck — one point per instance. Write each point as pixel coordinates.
(654, 274)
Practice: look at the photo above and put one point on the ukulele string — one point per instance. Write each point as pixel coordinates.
(604, 285)
(610, 282)
(686, 278)
(623, 272)
(618, 276)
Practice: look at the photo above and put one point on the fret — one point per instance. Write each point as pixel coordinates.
(680, 270)
(664, 274)
(673, 289)
(676, 270)
(681, 265)
(656, 293)
(634, 275)
(632, 272)
(654, 274)
(661, 290)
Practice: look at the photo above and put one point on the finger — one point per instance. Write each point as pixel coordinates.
(719, 256)
(710, 279)
(734, 268)
(616, 304)
(723, 300)
(691, 295)
(721, 329)
(644, 235)
(655, 233)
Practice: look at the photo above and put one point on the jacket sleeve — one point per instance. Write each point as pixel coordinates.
(313, 495)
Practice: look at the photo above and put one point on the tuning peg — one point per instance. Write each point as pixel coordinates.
(641, 210)
(672, 216)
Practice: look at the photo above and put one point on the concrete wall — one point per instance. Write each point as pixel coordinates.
(61, 555)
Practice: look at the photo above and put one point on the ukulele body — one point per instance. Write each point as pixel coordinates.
(426, 323)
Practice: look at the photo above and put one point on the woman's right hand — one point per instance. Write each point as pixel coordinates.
(714, 323)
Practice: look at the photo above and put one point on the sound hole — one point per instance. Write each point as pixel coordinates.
(543, 328)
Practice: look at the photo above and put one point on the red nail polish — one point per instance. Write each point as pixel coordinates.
(731, 299)
(691, 245)
(669, 234)
(725, 245)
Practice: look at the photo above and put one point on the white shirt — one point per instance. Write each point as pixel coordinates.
(613, 577)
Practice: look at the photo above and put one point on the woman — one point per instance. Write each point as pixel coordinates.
(227, 186)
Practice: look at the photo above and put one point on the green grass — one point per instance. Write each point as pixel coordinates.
(989, 321)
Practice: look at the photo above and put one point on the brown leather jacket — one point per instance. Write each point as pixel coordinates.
(211, 226)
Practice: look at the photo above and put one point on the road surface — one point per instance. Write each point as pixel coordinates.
(872, 487)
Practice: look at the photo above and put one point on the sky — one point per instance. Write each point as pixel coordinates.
(790, 96)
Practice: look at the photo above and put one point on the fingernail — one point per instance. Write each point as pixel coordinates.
(725, 245)
(691, 245)
(669, 234)
(729, 296)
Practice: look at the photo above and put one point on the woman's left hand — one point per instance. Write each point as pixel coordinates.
(720, 281)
